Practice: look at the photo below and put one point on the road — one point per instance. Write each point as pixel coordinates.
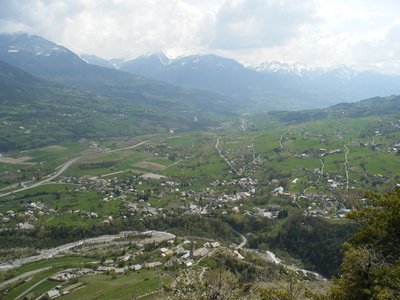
(62, 168)
(19, 277)
(280, 142)
(149, 294)
(271, 257)
(157, 237)
(204, 269)
(346, 166)
(322, 171)
(173, 164)
(224, 158)
(244, 240)
(127, 148)
(322, 166)
(113, 173)
(32, 287)
(319, 178)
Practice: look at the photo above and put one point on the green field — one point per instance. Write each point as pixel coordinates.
(121, 287)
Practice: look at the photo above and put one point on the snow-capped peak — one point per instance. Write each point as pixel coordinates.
(344, 72)
(283, 67)
(25, 42)
(164, 59)
(286, 68)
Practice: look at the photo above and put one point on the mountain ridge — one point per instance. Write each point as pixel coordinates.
(226, 84)
(67, 68)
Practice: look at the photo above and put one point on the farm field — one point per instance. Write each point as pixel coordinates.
(213, 183)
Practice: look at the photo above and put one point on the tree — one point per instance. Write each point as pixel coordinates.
(190, 285)
(371, 265)
(290, 291)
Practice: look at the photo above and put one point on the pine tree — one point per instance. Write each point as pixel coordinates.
(371, 265)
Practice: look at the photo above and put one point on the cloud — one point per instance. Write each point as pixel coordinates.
(317, 32)
(260, 23)
(110, 28)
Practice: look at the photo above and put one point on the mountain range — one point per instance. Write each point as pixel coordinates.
(36, 112)
(204, 80)
(49, 94)
(270, 85)
(377, 106)
(52, 62)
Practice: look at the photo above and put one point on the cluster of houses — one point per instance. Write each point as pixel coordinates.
(183, 254)
(25, 218)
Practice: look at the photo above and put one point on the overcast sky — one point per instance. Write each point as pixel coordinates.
(360, 33)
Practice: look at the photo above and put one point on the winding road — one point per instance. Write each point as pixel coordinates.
(156, 236)
(244, 240)
(62, 168)
(224, 158)
(271, 257)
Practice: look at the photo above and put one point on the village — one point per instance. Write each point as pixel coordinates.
(132, 252)
(138, 197)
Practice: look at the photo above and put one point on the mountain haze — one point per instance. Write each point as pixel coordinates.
(271, 85)
(52, 62)
(36, 112)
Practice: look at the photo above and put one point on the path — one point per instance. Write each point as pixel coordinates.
(209, 254)
(244, 240)
(202, 272)
(322, 171)
(346, 166)
(148, 294)
(280, 142)
(127, 148)
(224, 158)
(32, 287)
(114, 173)
(173, 164)
(322, 166)
(256, 155)
(48, 220)
(319, 177)
(191, 147)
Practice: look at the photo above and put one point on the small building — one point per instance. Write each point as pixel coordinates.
(200, 252)
(215, 244)
(119, 271)
(152, 265)
(238, 255)
(109, 262)
(52, 294)
(136, 267)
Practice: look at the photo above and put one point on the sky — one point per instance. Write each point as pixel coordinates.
(363, 34)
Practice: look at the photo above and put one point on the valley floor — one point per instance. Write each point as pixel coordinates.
(246, 185)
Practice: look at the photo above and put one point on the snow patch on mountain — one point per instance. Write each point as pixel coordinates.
(160, 55)
(344, 72)
(283, 68)
(301, 70)
(29, 43)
